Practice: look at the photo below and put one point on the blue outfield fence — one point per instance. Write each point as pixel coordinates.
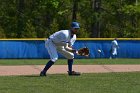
(35, 48)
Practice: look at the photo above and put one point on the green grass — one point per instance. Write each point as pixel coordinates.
(62, 83)
(64, 61)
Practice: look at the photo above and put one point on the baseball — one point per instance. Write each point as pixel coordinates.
(99, 50)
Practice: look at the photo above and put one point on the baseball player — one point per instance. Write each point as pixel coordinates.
(62, 42)
(114, 48)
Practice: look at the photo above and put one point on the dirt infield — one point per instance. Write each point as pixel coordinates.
(62, 69)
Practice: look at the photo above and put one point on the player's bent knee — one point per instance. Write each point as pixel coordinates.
(54, 59)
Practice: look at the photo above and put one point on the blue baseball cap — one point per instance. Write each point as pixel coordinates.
(75, 25)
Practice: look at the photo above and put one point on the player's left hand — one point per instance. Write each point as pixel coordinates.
(83, 52)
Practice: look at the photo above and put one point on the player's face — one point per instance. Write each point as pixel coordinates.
(75, 30)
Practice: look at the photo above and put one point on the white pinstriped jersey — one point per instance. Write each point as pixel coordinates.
(114, 44)
(62, 37)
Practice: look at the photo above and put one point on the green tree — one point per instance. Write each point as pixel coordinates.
(40, 18)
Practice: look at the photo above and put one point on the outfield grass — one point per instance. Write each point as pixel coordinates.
(62, 83)
(64, 61)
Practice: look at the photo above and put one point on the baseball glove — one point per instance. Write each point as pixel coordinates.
(83, 51)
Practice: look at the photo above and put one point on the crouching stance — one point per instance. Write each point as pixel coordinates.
(62, 42)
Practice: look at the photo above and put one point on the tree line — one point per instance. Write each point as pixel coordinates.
(97, 18)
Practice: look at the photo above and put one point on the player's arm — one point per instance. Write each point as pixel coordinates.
(69, 48)
(70, 44)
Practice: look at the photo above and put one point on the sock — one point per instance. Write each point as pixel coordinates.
(48, 65)
(70, 63)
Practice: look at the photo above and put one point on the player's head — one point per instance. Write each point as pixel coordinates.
(75, 27)
(115, 39)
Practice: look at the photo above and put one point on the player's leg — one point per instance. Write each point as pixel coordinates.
(70, 71)
(115, 56)
(114, 53)
(70, 57)
(53, 57)
(70, 63)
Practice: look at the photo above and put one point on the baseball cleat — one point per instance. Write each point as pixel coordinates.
(42, 73)
(73, 73)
